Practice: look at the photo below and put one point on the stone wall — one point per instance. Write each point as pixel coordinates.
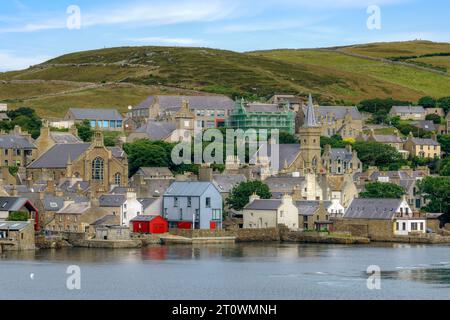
(365, 228)
(242, 235)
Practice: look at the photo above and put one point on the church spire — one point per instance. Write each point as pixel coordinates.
(310, 116)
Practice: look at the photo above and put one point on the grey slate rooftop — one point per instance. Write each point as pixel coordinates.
(95, 114)
(425, 142)
(143, 218)
(10, 141)
(52, 203)
(12, 203)
(341, 153)
(408, 109)
(338, 112)
(13, 225)
(264, 204)
(157, 130)
(150, 172)
(64, 138)
(112, 200)
(287, 153)
(146, 202)
(226, 182)
(58, 155)
(195, 102)
(379, 209)
(262, 107)
(308, 208)
(188, 188)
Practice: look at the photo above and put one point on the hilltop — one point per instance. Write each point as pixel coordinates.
(118, 77)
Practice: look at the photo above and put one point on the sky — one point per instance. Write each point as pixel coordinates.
(33, 31)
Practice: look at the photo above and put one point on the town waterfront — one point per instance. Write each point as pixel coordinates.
(238, 271)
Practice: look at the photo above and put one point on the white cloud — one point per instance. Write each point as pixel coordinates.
(172, 41)
(145, 13)
(10, 61)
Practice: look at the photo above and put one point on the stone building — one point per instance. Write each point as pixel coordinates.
(423, 148)
(16, 148)
(210, 111)
(17, 235)
(394, 140)
(151, 182)
(103, 167)
(408, 112)
(338, 161)
(48, 138)
(313, 215)
(270, 213)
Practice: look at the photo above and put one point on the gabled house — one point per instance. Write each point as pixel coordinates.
(340, 161)
(423, 148)
(126, 206)
(384, 218)
(17, 148)
(314, 215)
(193, 205)
(270, 213)
(9, 205)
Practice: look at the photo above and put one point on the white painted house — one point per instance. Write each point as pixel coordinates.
(270, 213)
(127, 206)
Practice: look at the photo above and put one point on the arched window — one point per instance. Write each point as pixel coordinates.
(98, 169)
(117, 179)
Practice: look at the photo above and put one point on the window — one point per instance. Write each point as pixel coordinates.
(217, 214)
(118, 178)
(208, 202)
(181, 214)
(414, 226)
(281, 213)
(97, 169)
(421, 226)
(189, 202)
(175, 202)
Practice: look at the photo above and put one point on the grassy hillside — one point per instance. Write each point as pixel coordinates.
(119, 77)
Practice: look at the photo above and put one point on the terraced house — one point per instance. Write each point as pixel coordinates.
(16, 148)
(423, 148)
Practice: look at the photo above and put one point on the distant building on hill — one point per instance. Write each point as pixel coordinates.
(105, 119)
(408, 112)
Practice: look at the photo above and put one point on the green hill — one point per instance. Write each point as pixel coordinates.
(118, 77)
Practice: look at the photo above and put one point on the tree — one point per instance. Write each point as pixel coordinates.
(27, 119)
(445, 167)
(437, 193)
(373, 153)
(287, 138)
(383, 191)
(18, 216)
(85, 131)
(427, 102)
(146, 153)
(109, 141)
(335, 141)
(433, 117)
(444, 140)
(240, 195)
(444, 103)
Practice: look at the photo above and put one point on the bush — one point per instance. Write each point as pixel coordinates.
(18, 216)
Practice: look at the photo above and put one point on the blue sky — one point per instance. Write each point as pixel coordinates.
(32, 31)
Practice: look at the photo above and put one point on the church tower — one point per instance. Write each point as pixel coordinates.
(185, 120)
(310, 133)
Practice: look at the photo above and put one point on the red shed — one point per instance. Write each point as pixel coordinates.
(150, 224)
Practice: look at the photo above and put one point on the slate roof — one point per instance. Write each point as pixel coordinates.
(95, 114)
(12, 203)
(3, 116)
(226, 182)
(143, 218)
(13, 225)
(339, 112)
(426, 125)
(64, 138)
(287, 153)
(264, 204)
(195, 102)
(158, 186)
(188, 188)
(262, 107)
(57, 156)
(112, 200)
(408, 109)
(75, 208)
(425, 142)
(117, 152)
(308, 208)
(52, 203)
(146, 202)
(10, 141)
(387, 138)
(157, 130)
(155, 171)
(374, 209)
(341, 153)
(106, 221)
(283, 184)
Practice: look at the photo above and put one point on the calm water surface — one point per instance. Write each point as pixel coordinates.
(241, 271)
